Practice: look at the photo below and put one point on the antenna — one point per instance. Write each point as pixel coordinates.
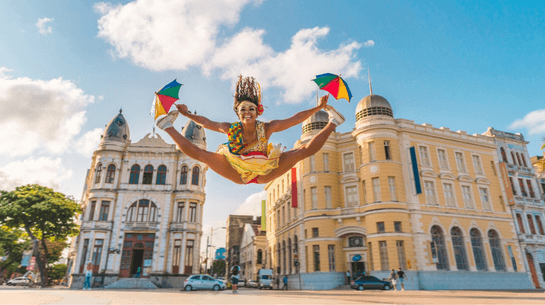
(369, 76)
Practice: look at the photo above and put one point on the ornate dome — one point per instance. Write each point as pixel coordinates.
(316, 121)
(373, 105)
(194, 133)
(117, 130)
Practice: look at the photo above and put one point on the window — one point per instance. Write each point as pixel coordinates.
(478, 251)
(477, 165)
(314, 197)
(503, 155)
(512, 186)
(331, 257)
(392, 187)
(430, 192)
(195, 176)
(530, 189)
(466, 195)
(97, 253)
(401, 254)
(161, 175)
(176, 257)
(183, 175)
(355, 241)
(364, 190)
(539, 225)
(260, 256)
(449, 194)
(460, 162)
(424, 156)
(104, 209)
(518, 159)
(513, 157)
(189, 256)
(192, 212)
(142, 211)
(523, 160)
(440, 248)
(351, 196)
(521, 224)
(485, 199)
(371, 149)
(348, 160)
(384, 264)
(325, 157)
(135, 174)
(315, 232)
(458, 245)
(312, 163)
(376, 189)
(180, 212)
(522, 188)
(98, 173)
(92, 211)
(397, 226)
(110, 174)
(148, 175)
(531, 224)
(380, 227)
(387, 150)
(370, 251)
(327, 192)
(495, 247)
(442, 156)
(83, 255)
(316, 249)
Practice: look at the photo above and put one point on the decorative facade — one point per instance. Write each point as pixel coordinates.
(252, 250)
(143, 206)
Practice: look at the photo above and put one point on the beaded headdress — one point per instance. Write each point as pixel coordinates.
(247, 89)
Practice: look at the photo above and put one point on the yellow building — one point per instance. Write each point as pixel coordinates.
(394, 194)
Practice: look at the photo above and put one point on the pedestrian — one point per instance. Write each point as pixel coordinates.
(138, 272)
(88, 275)
(401, 276)
(278, 282)
(285, 281)
(235, 270)
(348, 276)
(393, 279)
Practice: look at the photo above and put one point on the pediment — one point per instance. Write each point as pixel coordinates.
(447, 176)
(152, 141)
(482, 181)
(465, 178)
(350, 178)
(428, 173)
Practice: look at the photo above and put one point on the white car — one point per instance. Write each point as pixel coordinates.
(252, 284)
(23, 281)
(203, 281)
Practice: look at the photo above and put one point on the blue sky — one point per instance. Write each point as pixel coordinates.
(66, 69)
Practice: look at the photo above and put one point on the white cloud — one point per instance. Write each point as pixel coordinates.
(534, 122)
(39, 114)
(252, 204)
(369, 43)
(42, 27)
(88, 143)
(44, 171)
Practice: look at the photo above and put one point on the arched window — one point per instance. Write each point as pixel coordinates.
(195, 176)
(110, 174)
(539, 225)
(289, 255)
(161, 175)
(438, 239)
(135, 174)
(478, 250)
(98, 173)
(521, 224)
(459, 248)
(531, 224)
(142, 211)
(278, 259)
(495, 246)
(518, 159)
(503, 155)
(284, 269)
(260, 256)
(523, 160)
(513, 157)
(183, 175)
(148, 175)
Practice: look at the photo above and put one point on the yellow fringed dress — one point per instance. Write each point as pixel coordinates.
(255, 159)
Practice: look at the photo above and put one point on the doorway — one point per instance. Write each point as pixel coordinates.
(137, 260)
(358, 269)
(137, 252)
(532, 269)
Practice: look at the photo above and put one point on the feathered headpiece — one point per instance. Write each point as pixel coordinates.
(247, 89)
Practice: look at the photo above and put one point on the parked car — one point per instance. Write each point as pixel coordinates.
(203, 281)
(19, 281)
(370, 282)
(252, 284)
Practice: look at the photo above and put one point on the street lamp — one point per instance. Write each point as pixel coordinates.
(210, 245)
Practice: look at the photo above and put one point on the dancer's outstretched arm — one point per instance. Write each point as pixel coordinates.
(280, 125)
(203, 121)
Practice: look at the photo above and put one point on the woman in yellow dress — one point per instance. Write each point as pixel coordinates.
(248, 157)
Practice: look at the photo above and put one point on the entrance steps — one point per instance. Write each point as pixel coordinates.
(131, 283)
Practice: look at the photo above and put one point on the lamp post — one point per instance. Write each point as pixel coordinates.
(209, 246)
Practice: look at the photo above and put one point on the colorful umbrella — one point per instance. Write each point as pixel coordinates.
(165, 98)
(333, 84)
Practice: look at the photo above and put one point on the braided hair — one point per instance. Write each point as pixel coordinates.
(247, 89)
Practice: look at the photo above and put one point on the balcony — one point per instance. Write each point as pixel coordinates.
(141, 226)
(97, 225)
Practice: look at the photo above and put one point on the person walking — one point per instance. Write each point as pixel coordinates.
(285, 281)
(393, 279)
(235, 271)
(348, 276)
(401, 276)
(88, 275)
(278, 282)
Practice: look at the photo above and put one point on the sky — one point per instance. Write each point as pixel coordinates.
(67, 69)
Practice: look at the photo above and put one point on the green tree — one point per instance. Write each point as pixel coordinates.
(44, 215)
(218, 267)
(12, 244)
(57, 272)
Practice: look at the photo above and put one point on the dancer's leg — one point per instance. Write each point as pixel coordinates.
(215, 161)
(290, 158)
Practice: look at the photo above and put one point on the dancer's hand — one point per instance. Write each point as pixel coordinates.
(323, 101)
(182, 109)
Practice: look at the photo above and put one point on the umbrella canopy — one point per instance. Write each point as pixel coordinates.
(165, 98)
(333, 84)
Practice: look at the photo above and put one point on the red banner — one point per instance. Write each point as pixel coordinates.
(293, 187)
(507, 184)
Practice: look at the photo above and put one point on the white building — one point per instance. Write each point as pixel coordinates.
(143, 205)
(252, 250)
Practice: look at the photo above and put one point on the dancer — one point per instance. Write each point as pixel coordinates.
(248, 157)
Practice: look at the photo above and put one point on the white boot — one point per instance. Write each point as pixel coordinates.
(166, 121)
(334, 116)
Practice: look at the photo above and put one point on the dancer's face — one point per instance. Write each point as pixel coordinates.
(247, 112)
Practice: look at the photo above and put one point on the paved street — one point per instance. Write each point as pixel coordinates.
(34, 296)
